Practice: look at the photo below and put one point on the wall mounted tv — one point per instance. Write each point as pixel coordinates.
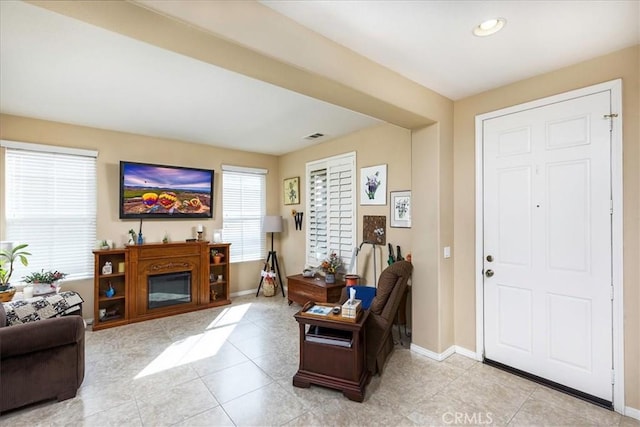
(161, 191)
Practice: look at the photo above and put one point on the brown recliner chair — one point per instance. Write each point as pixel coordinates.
(40, 360)
(392, 285)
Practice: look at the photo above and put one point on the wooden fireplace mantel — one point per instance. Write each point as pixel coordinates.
(130, 303)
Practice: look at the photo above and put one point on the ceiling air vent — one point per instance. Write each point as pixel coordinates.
(314, 136)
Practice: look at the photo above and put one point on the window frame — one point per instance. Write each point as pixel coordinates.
(52, 253)
(255, 219)
(345, 251)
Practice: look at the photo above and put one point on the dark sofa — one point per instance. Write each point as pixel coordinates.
(40, 360)
(392, 285)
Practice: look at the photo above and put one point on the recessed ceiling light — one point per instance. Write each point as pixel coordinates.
(490, 26)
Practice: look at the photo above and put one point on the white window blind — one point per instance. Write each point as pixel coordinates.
(243, 207)
(50, 204)
(331, 207)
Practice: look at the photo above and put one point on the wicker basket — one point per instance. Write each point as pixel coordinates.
(6, 296)
(269, 287)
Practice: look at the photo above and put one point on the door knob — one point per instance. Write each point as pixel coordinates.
(489, 273)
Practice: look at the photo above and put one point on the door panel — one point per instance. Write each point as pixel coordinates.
(568, 216)
(547, 224)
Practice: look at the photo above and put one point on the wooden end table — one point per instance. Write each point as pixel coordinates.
(304, 289)
(334, 366)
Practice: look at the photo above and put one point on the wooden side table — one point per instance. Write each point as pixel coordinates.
(335, 366)
(304, 289)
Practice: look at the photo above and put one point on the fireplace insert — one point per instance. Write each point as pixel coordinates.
(169, 289)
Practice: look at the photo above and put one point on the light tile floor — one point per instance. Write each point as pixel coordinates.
(234, 365)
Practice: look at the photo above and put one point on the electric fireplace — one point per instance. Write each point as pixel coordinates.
(169, 289)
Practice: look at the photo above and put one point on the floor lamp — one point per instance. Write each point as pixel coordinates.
(271, 224)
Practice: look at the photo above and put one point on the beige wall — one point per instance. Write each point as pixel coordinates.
(440, 163)
(425, 289)
(624, 64)
(276, 50)
(116, 146)
(384, 144)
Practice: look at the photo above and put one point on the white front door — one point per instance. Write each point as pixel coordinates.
(547, 242)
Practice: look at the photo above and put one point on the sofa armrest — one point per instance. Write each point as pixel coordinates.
(35, 336)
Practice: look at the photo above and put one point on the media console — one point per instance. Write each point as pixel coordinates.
(157, 280)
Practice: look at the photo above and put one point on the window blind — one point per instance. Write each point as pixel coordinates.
(243, 207)
(50, 204)
(331, 223)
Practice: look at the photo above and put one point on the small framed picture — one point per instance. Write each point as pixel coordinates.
(400, 209)
(373, 185)
(292, 191)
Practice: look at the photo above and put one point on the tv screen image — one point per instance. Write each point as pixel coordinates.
(161, 191)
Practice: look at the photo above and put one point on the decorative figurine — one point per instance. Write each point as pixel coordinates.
(110, 292)
(107, 268)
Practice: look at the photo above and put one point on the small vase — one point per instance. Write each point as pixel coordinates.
(110, 292)
(330, 278)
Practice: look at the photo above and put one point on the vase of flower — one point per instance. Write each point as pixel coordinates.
(330, 267)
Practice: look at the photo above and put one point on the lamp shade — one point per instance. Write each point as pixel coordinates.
(272, 224)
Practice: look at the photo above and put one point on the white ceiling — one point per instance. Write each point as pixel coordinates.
(57, 68)
(431, 42)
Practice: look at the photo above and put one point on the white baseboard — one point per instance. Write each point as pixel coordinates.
(247, 292)
(448, 352)
(467, 353)
(632, 412)
(253, 291)
(433, 355)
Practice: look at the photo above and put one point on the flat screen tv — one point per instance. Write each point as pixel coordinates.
(161, 191)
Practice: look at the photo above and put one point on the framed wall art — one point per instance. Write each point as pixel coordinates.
(292, 191)
(373, 185)
(400, 205)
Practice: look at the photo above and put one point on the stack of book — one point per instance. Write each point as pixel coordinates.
(322, 335)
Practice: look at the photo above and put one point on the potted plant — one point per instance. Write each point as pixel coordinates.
(216, 256)
(44, 282)
(7, 258)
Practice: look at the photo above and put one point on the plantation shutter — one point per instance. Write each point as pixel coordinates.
(317, 229)
(243, 207)
(50, 204)
(341, 212)
(332, 209)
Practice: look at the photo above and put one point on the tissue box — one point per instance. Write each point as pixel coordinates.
(351, 310)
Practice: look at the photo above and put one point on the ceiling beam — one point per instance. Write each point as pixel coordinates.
(138, 22)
